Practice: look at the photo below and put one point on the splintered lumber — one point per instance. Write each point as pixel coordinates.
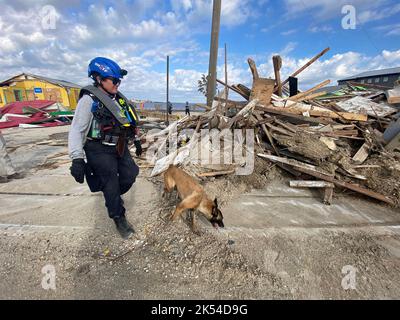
(253, 68)
(313, 96)
(309, 91)
(244, 89)
(362, 153)
(267, 133)
(310, 184)
(262, 90)
(287, 126)
(317, 173)
(247, 110)
(233, 88)
(299, 110)
(277, 129)
(215, 173)
(393, 96)
(277, 62)
(296, 164)
(307, 65)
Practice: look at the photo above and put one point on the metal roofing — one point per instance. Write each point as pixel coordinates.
(18, 107)
(62, 83)
(373, 73)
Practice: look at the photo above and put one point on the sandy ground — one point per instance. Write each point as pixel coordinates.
(278, 243)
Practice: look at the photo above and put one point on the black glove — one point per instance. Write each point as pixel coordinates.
(78, 170)
(138, 146)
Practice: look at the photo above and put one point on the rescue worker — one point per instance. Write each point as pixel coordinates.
(103, 123)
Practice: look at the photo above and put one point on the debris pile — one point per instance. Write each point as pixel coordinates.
(348, 138)
(34, 114)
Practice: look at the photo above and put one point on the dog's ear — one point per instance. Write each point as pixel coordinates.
(215, 202)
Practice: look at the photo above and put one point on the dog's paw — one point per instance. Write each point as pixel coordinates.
(197, 232)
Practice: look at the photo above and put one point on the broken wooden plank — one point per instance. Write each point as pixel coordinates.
(253, 68)
(244, 95)
(362, 153)
(267, 133)
(277, 62)
(277, 129)
(296, 164)
(287, 126)
(310, 184)
(311, 170)
(393, 96)
(309, 91)
(313, 96)
(215, 173)
(318, 113)
(262, 89)
(307, 65)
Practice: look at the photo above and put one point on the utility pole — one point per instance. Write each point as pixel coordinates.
(212, 67)
(167, 107)
(226, 76)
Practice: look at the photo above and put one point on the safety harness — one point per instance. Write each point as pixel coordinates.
(112, 119)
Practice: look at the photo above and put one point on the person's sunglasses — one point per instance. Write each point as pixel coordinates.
(115, 81)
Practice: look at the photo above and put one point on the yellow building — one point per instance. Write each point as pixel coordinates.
(28, 87)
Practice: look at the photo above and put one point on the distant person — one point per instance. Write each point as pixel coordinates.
(187, 109)
(104, 122)
(169, 107)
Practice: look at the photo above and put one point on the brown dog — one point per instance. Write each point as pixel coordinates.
(192, 197)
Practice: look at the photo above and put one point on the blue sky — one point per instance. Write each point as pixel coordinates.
(139, 35)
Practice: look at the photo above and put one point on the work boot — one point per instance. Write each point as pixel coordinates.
(123, 226)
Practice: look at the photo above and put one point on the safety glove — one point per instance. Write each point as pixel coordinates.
(78, 170)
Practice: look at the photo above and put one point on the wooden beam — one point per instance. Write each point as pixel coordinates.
(317, 113)
(310, 184)
(253, 68)
(267, 133)
(277, 62)
(313, 96)
(302, 94)
(307, 64)
(362, 153)
(215, 173)
(234, 89)
(307, 169)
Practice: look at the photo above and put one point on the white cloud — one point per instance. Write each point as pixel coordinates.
(318, 29)
(378, 14)
(323, 9)
(288, 32)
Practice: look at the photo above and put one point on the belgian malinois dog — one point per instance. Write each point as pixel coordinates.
(192, 197)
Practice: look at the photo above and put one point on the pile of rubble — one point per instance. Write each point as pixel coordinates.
(347, 139)
(34, 114)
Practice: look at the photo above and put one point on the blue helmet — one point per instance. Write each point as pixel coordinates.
(105, 68)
